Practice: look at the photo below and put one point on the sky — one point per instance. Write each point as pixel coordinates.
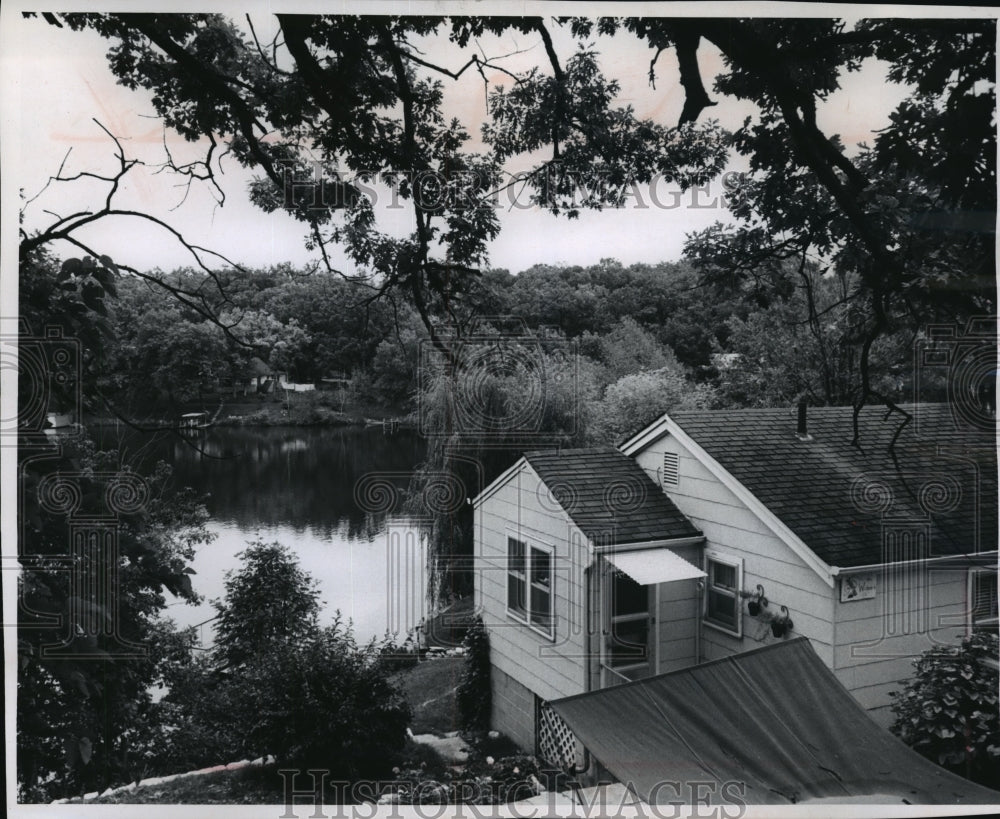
(58, 83)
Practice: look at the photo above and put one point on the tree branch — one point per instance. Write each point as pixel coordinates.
(696, 99)
(216, 82)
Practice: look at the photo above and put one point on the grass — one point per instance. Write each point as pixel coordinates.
(430, 687)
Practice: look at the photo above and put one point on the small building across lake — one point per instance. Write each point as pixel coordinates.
(194, 420)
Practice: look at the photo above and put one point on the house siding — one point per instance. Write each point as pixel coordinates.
(513, 709)
(548, 668)
(879, 639)
(870, 645)
(677, 612)
(732, 529)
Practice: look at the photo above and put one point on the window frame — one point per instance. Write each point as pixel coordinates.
(531, 545)
(735, 562)
(989, 623)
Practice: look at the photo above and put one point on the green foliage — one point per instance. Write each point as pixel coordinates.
(395, 369)
(505, 394)
(948, 710)
(576, 111)
(72, 299)
(278, 684)
(322, 702)
(193, 725)
(83, 704)
(781, 356)
(908, 217)
(160, 350)
(80, 716)
(270, 601)
(892, 220)
(626, 348)
(634, 401)
(474, 696)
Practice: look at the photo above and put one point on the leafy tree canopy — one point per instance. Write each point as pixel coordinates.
(362, 98)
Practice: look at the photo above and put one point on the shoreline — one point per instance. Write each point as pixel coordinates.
(279, 413)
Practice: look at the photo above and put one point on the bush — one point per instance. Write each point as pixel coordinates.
(474, 696)
(324, 703)
(948, 711)
(277, 684)
(638, 399)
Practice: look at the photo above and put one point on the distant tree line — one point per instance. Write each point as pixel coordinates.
(642, 334)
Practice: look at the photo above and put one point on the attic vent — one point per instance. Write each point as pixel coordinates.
(671, 469)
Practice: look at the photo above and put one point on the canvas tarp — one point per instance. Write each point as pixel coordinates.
(768, 726)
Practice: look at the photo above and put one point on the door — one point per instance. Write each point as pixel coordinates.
(627, 648)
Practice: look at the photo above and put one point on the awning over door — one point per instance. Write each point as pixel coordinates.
(769, 726)
(648, 566)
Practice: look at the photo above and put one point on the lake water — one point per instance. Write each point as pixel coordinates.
(332, 495)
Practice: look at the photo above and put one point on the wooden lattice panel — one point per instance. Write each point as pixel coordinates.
(557, 744)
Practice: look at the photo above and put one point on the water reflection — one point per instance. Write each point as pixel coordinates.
(380, 585)
(297, 486)
(299, 477)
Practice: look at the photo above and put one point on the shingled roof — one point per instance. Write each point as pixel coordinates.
(609, 497)
(840, 499)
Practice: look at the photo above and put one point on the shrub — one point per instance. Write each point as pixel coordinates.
(448, 627)
(325, 702)
(635, 400)
(277, 684)
(474, 697)
(948, 710)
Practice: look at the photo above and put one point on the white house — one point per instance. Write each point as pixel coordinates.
(710, 533)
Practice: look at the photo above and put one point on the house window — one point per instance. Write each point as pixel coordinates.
(628, 643)
(725, 578)
(529, 584)
(983, 600)
(517, 597)
(541, 589)
(671, 469)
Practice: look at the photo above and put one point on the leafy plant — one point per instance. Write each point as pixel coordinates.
(278, 684)
(78, 713)
(474, 697)
(325, 702)
(948, 710)
(269, 601)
